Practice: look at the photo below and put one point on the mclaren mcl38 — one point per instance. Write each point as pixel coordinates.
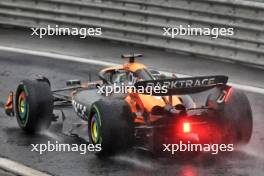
(145, 119)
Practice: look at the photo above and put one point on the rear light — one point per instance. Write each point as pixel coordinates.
(186, 127)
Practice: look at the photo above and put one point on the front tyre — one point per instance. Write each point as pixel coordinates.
(34, 105)
(111, 126)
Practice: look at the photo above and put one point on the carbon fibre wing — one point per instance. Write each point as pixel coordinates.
(180, 86)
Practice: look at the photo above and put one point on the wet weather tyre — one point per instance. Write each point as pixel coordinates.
(111, 126)
(34, 105)
(237, 118)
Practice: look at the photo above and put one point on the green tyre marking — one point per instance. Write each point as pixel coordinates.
(24, 120)
(100, 123)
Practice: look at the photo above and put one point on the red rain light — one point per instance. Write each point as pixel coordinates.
(186, 127)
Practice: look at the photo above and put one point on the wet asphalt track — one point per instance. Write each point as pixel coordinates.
(15, 144)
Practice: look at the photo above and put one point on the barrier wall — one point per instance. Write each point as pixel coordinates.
(142, 21)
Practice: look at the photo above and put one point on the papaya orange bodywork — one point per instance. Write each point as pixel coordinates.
(9, 106)
(140, 103)
(133, 67)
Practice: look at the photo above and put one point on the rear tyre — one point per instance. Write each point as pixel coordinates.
(34, 105)
(236, 118)
(111, 126)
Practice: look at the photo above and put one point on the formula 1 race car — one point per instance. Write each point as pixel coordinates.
(164, 112)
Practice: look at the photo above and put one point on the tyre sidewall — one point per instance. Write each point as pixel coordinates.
(116, 128)
(40, 102)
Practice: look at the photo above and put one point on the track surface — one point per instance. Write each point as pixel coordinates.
(15, 144)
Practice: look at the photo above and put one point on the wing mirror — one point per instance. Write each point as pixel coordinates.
(74, 82)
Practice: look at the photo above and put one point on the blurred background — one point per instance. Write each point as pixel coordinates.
(141, 22)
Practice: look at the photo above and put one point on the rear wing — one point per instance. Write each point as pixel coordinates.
(180, 86)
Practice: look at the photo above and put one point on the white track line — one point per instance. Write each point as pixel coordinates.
(19, 169)
(106, 64)
(58, 56)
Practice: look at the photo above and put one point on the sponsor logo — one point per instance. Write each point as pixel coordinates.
(186, 83)
(80, 109)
